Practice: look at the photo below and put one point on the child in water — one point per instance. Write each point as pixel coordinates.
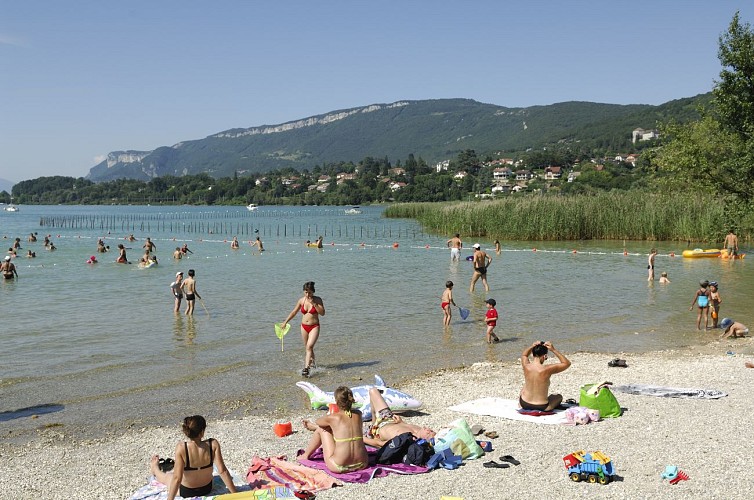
(491, 320)
(715, 301)
(446, 301)
(701, 299)
(664, 277)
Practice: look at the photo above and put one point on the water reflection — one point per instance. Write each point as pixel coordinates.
(184, 337)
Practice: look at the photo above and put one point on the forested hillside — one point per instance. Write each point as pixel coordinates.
(432, 129)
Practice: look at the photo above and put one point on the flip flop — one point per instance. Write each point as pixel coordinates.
(477, 429)
(571, 401)
(510, 459)
(166, 464)
(491, 434)
(494, 465)
(620, 363)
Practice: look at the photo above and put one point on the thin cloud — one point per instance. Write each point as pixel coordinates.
(99, 159)
(12, 41)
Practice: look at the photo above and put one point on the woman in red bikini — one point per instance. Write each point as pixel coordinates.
(312, 308)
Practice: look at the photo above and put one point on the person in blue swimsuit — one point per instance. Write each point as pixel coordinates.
(701, 301)
(193, 480)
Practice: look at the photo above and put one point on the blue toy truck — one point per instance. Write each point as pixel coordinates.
(594, 467)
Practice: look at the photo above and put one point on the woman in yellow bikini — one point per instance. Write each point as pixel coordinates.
(339, 435)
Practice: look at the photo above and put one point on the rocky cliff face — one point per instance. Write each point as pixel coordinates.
(117, 157)
(307, 122)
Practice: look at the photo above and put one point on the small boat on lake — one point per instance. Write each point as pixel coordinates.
(699, 253)
(252, 207)
(11, 207)
(353, 211)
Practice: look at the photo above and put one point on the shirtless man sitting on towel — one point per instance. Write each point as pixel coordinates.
(534, 395)
(386, 425)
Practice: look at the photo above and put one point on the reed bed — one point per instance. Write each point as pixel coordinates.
(604, 216)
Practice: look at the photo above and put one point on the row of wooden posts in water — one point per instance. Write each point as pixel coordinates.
(111, 224)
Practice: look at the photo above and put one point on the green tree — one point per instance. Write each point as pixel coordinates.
(716, 153)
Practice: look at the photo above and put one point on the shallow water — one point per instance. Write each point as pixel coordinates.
(94, 347)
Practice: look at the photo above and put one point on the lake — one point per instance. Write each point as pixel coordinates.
(98, 347)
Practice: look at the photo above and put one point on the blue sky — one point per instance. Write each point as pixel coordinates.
(80, 79)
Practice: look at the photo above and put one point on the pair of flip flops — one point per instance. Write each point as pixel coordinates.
(620, 363)
(477, 429)
(505, 458)
(166, 464)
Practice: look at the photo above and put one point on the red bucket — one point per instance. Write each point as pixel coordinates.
(283, 429)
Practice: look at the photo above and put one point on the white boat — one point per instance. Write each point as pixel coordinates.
(11, 207)
(353, 211)
(251, 207)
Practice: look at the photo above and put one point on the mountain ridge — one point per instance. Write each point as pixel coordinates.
(433, 129)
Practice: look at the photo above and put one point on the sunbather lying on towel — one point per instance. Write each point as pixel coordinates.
(346, 452)
(386, 425)
(193, 480)
(537, 377)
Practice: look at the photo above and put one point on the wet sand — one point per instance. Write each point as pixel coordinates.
(710, 440)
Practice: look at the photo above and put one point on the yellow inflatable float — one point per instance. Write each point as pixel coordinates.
(699, 253)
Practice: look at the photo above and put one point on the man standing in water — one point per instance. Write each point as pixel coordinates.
(480, 261)
(149, 246)
(534, 395)
(731, 244)
(189, 289)
(651, 265)
(455, 245)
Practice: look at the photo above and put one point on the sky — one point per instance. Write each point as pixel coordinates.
(80, 79)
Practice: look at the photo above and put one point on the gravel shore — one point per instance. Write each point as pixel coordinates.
(710, 440)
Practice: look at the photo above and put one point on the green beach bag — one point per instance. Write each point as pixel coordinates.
(458, 438)
(604, 401)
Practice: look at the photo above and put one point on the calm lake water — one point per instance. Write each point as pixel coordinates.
(96, 347)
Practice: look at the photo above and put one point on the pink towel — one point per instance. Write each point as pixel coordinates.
(316, 461)
(266, 472)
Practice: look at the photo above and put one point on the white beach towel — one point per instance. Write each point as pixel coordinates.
(506, 408)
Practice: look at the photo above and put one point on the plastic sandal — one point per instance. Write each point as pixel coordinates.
(305, 372)
(166, 464)
(494, 465)
(510, 459)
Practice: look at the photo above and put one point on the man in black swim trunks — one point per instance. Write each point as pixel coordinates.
(534, 395)
(480, 262)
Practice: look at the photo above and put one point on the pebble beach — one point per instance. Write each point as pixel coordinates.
(710, 440)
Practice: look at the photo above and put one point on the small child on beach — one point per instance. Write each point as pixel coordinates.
(733, 328)
(446, 301)
(701, 299)
(664, 278)
(715, 301)
(491, 320)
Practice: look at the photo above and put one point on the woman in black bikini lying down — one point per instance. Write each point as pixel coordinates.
(192, 472)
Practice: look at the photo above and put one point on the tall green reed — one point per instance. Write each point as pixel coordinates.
(630, 215)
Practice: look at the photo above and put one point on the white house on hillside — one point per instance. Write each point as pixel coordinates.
(640, 134)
